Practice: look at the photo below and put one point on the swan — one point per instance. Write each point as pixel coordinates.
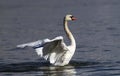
(55, 50)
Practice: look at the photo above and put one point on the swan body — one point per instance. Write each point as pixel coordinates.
(55, 50)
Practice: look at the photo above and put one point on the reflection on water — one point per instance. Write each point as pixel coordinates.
(59, 71)
(73, 69)
(45, 68)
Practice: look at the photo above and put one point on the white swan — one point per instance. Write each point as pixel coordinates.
(55, 50)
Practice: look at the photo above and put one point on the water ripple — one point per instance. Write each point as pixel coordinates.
(40, 66)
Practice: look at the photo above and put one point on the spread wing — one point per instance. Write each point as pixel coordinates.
(49, 49)
(53, 50)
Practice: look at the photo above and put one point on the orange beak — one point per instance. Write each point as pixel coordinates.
(73, 18)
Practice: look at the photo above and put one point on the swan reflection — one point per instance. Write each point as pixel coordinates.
(44, 68)
(58, 71)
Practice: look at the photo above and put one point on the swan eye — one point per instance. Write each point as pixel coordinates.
(71, 16)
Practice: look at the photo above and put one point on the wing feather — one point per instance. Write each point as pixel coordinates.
(52, 50)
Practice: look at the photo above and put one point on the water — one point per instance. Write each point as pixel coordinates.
(97, 32)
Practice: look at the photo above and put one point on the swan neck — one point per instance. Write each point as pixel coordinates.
(69, 34)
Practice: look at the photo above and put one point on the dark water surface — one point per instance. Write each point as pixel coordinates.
(97, 33)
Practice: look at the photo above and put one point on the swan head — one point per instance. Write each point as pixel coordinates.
(70, 17)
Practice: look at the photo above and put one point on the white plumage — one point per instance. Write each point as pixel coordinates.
(55, 50)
